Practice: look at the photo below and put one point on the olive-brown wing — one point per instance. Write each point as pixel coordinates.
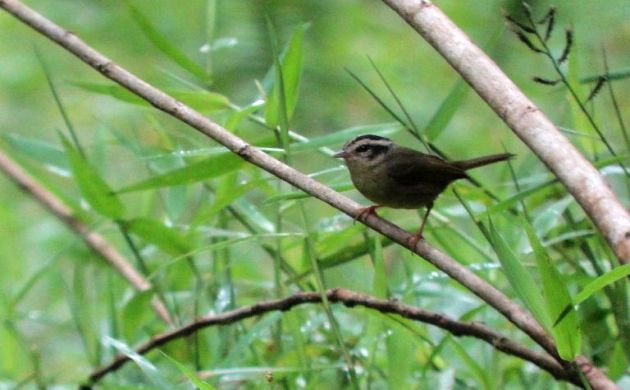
(410, 167)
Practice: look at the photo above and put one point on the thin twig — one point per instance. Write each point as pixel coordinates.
(351, 299)
(93, 240)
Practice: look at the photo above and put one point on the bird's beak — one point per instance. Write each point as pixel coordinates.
(340, 154)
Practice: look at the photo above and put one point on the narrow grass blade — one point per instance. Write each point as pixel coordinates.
(287, 70)
(92, 186)
(209, 168)
(166, 45)
(446, 111)
(519, 277)
(206, 102)
(41, 151)
(599, 283)
(166, 238)
(566, 333)
(190, 374)
(147, 368)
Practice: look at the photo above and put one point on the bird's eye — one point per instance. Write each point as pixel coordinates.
(363, 148)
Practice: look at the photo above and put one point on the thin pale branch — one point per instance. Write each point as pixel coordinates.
(488, 293)
(351, 299)
(93, 240)
(580, 178)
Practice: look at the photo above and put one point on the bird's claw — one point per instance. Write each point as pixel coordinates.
(365, 211)
(414, 239)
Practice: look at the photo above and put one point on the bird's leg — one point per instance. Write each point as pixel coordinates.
(365, 211)
(417, 236)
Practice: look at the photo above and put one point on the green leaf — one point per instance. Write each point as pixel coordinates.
(566, 332)
(289, 66)
(599, 283)
(113, 90)
(226, 195)
(206, 102)
(209, 168)
(238, 349)
(293, 195)
(400, 371)
(520, 279)
(167, 45)
(93, 188)
(166, 238)
(446, 111)
(148, 369)
(379, 284)
(190, 374)
(44, 152)
(135, 313)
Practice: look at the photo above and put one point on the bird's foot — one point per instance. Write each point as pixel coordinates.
(414, 239)
(365, 211)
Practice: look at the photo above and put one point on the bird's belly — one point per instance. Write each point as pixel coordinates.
(397, 196)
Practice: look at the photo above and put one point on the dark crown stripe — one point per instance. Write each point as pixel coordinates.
(367, 137)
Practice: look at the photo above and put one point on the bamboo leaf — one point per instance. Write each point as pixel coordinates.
(92, 186)
(164, 237)
(520, 279)
(167, 45)
(209, 168)
(566, 332)
(190, 374)
(289, 66)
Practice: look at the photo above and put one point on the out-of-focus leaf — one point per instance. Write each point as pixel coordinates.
(147, 368)
(566, 332)
(520, 279)
(379, 285)
(203, 101)
(473, 365)
(244, 341)
(135, 313)
(301, 195)
(38, 150)
(166, 238)
(113, 90)
(167, 45)
(599, 283)
(446, 111)
(209, 168)
(190, 374)
(399, 371)
(547, 219)
(225, 196)
(93, 188)
(290, 62)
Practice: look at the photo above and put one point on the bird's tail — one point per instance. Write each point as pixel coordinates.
(481, 161)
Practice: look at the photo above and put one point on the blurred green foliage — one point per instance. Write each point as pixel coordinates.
(216, 237)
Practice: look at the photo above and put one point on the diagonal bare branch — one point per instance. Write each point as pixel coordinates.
(93, 240)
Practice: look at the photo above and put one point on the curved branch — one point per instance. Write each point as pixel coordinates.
(530, 124)
(350, 299)
(93, 240)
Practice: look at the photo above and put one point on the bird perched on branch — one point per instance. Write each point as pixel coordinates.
(394, 176)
